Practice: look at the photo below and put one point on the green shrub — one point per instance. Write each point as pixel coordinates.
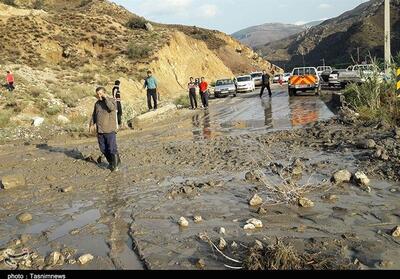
(53, 110)
(183, 101)
(72, 95)
(375, 99)
(36, 92)
(136, 23)
(138, 52)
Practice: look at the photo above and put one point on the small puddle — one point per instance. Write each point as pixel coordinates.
(89, 217)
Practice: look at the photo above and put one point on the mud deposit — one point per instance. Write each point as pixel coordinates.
(174, 169)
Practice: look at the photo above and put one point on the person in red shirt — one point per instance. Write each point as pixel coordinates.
(10, 81)
(204, 92)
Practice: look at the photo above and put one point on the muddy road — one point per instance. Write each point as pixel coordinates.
(207, 164)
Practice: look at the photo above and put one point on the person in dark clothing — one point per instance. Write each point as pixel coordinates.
(192, 93)
(117, 96)
(204, 92)
(151, 85)
(265, 84)
(104, 119)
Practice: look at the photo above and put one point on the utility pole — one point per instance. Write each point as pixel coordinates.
(358, 55)
(388, 54)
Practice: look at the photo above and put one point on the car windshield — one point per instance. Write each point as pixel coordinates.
(304, 72)
(242, 79)
(256, 75)
(224, 82)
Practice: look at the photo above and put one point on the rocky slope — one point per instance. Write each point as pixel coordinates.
(259, 35)
(70, 47)
(337, 39)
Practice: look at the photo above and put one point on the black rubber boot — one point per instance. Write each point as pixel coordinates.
(118, 161)
(114, 162)
(109, 160)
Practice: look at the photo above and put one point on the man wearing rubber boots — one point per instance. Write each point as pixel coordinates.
(105, 120)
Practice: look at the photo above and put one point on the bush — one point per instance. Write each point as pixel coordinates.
(375, 99)
(9, 2)
(38, 5)
(183, 101)
(53, 110)
(84, 3)
(72, 96)
(137, 23)
(138, 52)
(36, 92)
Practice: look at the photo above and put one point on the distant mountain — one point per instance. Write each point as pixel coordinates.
(339, 39)
(262, 34)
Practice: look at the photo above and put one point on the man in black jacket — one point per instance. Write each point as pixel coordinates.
(265, 84)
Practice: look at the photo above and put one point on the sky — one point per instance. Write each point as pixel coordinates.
(230, 16)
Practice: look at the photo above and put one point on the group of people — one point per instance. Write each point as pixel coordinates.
(202, 87)
(107, 114)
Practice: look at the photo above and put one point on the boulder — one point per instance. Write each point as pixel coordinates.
(396, 232)
(84, 259)
(53, 258)
(361, 178)
(12, 181)
(222, 231)
(257, 223)
(256, 200)
(149, 26)
(306, 203)
(183, 222)
(24, 217)
(37, 121)
(249, 227)
(197, 219)
(262, 211)
(200, 264)
(341, 176)
(222, 244)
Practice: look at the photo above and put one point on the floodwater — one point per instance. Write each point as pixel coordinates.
(191, 165)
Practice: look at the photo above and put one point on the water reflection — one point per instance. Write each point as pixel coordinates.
(303, 111)
(202, 126)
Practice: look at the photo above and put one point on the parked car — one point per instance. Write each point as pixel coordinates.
(257, 78)
(245, 84)
(322, 69)
(304, 79)
(277, 78)
(356, 74)
(286, 77)
(225, 87)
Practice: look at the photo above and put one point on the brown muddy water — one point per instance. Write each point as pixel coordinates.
(195, 164)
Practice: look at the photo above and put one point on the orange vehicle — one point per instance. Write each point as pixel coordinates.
(304, 79)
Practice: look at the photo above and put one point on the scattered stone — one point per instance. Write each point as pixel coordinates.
(222, 231)
(183, 222)
(306, 203)
(234, 245)
(341, 176)
(71, 261)
(24, 217)
(74, 232)
(256, 200)
(255, 176)
(329, 197)
(149, 27)
(53, 258)
(67, 189)
(25, 238)
(257, 223)
(361, 179)
(37, 121)
(396, 133)
(393, 190)
(198, 219)
(187, 190)
(222, 244)
(200, 264)
(396, 232)
(261, 211)
(12, 181)
(85, 259)
(366, 144)
(249, 227)
(203, 236)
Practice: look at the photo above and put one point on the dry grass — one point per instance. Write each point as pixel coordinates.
(283, 256)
